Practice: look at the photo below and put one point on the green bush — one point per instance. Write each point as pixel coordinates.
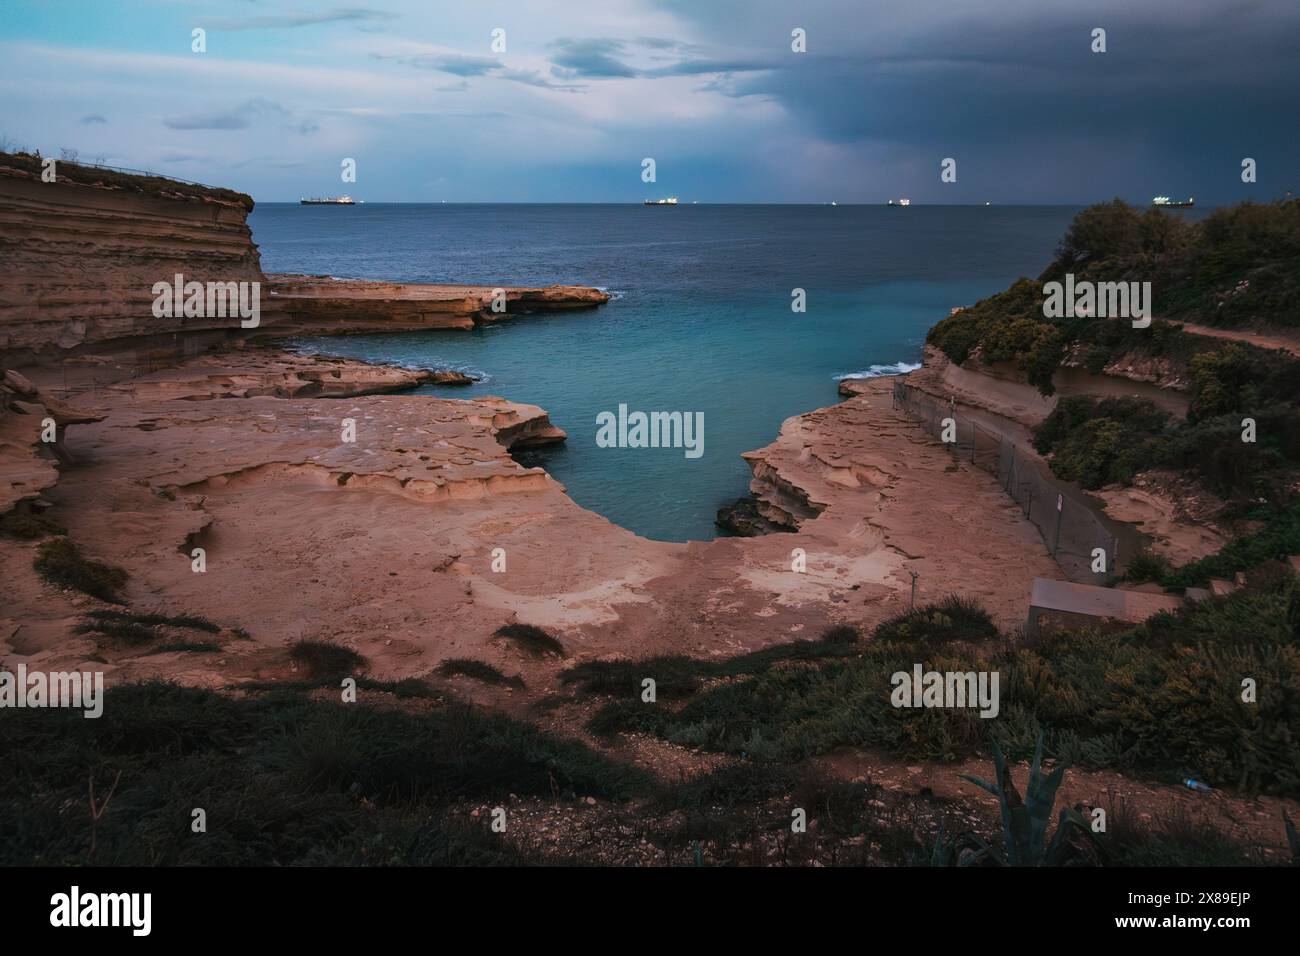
(951, 619)
(1109, 441)
(1240, 264)
(1160, 700)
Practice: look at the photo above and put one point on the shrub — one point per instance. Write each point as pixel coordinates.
(326, 659)
(29, 527)
(479, 671)
(841, 634)
(1276, 540)
(189, 621)
(296, 781)
(62, 564)
(1162, 698)
(674, 676)
(531, 639)
(125, 631)
(951, 619)
(1146, 565)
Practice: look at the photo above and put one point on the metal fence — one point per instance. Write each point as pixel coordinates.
(1070, 527)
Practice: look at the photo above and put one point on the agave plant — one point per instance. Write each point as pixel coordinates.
(968, 849)
(1025, 822)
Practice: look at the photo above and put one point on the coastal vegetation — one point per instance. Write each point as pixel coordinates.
(90, 174)
(1161, 699)
(290, 778)
(282, 779)
(1239, 265)
(1099, 442)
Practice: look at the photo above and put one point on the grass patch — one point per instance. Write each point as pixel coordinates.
(678, 677)
(1172, 838)
(190, 621)
(408, 688)
(62, 564)
(478, 670)
(531, 639)
(324, 659)
(124, 631)
(29, 527)
(285, 780)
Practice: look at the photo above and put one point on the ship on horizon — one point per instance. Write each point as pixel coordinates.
(329, 201)
(1174, 203)
(670, 201)
(899, 202)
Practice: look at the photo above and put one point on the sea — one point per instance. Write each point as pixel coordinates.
(704, 317)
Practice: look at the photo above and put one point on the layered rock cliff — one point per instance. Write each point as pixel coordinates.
(82, 253)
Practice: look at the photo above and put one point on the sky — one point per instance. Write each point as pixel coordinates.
(712, 90)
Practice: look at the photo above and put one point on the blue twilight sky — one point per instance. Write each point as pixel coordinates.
(585, 89)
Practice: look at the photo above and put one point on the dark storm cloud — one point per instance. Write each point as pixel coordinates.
(1186, 90)
(1023, 81)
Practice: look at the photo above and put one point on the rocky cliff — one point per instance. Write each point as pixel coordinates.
(81, 255)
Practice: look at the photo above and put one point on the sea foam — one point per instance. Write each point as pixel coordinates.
(875, 371)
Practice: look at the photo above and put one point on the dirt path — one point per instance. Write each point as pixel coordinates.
(1279, 341)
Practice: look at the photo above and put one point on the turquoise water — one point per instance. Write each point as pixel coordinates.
(701, 320)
